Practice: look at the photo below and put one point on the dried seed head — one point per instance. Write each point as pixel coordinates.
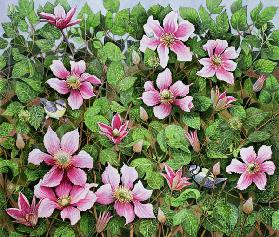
(248, 206)
(143, 114)
(137, 147)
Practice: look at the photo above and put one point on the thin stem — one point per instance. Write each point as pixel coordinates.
(131, 230)
(67, 42)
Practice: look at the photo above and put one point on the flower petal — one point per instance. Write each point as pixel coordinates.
(116, 122)
(163, 52)
(236, 167)
(143, 210)
(59, 85)
(229, 65)
(47, 16)
(105, 195)
(82, 160)
(224, 75)
(111, 176)
(75, 99)
(72, 213)
(170, 22)
(70, 142)
(70, 14)
(150, 43)
(63, 189)
(268, 167)
(151, 98)
(126, 210)
(73, 22)
(184, 30)
(87, 202)
(248, 154)
(105, 128)
(46, 208)
(58, 69)
(260, 180)
(129, 176)
(179, 89)
(264, 153)
(140, 193)
(153, 27)
(23, 203)
(59, 11)
(86, 90)
(149, 86)
(206, 71)
(210, 46)
(78, 193)
(77, 176)
(221, 45)
(205, 61)
(90, 78)
(42, 192)
(244, 181)
(230, 53)
(185, 103)
(51, 141)
(36, 157)
(53, 177)
(78, 67)
(164, 79)
(182, 51)
(162, 111)
(16, 213)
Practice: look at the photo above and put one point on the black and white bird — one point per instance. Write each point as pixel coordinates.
(54, 109)
(203, 177)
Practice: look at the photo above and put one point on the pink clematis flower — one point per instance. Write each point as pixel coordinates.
(61, 157)
(254, 167)
(25, 214)
(68, 198)
(102, 221)
(77, 82)
(192, 137)
(221, 101)
(117, 131)
(167, 96)
(175, 179)
(219, 61)
(258, 85)
(126, 196)
(60, 19)
(171, 35)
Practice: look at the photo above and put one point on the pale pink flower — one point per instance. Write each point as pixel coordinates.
(258, 85)
(25, 214)
(175, 179)
(102, 221)
(77, 82)
(126, 196)
(63, 159)
(68, 198)
(171, 35)
(117, 131)
(219, 61)
(254, 167)
(60, 19)
(167, 95)
(192, 137)
(221, 101)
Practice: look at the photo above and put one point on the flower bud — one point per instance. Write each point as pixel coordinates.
(20, 144)
(248, 206)
(102, 221)
(137, 147)
(258, 85)
(135, 57)
(216, 169)
(143, 114)
(161, 216)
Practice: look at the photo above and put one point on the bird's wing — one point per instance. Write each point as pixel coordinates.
(50, 107)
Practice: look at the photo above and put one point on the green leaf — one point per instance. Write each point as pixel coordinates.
(273, 52)
(179, 159)
(192, 119)
(255, 116)
(3, 43)
(275, 220)
(188, 220)
(91, 119)
(6, 165)
(256, 12)
(127, 83)
(205, 18)
(109, 155)
(111, 5)
(265, 66)
(190, 14)
(274, 37)
(221, 26)
(9, 29)
(3, 63)
(113, 52)
(271, 84)
(237, 5)
(258, 136)
(22, 68)
(37, 115)
(121, 23)
(213, 6)
(115, 225)
(239, 19)
(266, 15)
(201, 103)
(175, 137)
(25, 7)
(87, 224)
(13, 108)
(45, 45)
(154, 180)
(64, 231)
(238, 111)
(142, 165)
(116, 107)
(147, 227)
(115, 73)
(89, 19)
(184, 196)
(24, 92)
(265, 97)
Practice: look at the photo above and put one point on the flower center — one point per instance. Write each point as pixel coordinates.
(115, 132)
(62, 159)
(167, 39)
(216, 59)
(253, 168)
(123, 194)
(64, 201)
(73, 82)
(166, 97)
(31, 218)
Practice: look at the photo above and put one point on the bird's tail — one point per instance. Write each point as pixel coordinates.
(43, 101)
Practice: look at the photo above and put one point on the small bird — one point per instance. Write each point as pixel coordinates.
(54, 109)
(203, 177)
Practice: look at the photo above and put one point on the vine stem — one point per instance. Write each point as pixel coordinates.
(131, 230)
(67, 42)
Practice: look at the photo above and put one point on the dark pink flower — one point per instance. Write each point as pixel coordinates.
(68, 198)
(167, 96)
(61, 157)
(77, 82)
(192, 137)
(258, 85)
(117, 131)
(126, 196)
(175, 179)
(219, 61)
(221, 101)
(60, 19)
(102, 221)
(171, 35)
(254, 167)
(25, 214)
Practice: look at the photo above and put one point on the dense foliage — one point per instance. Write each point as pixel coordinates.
(132, 102)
